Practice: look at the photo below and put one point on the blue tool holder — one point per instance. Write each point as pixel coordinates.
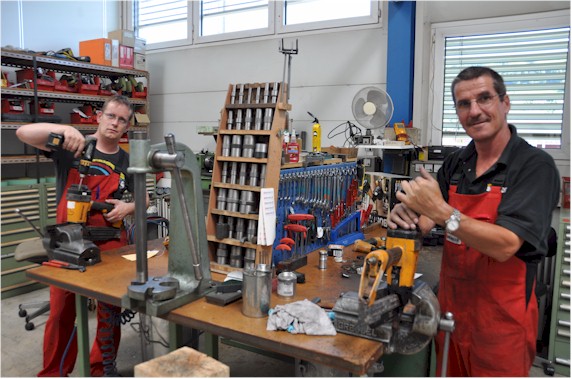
(317, 190)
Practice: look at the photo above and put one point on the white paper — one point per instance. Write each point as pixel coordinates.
(266, 217)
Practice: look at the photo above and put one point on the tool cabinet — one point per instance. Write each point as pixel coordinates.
(247, 158)
(20, 105)
(559, 345)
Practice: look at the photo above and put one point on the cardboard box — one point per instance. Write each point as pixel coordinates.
(125, 37)
(115, 52)
(140, 62)
(99, 50)
(126, 58)
(140, 45)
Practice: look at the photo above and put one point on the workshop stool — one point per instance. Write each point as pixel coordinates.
(183, 362)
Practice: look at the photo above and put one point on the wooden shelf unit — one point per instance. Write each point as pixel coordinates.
(272, 138)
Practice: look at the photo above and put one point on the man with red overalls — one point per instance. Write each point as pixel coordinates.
(495, 199)
(107, 179)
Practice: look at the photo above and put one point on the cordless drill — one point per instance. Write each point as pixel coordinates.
(79, 195)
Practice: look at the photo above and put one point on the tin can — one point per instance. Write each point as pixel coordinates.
(286, 284)
(256, 289)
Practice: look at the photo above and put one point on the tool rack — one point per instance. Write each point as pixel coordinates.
(36, 197)
(247, 158)
(328, 193)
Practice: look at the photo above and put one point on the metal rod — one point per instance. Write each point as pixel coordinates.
(139, 195)
(17, 210)
(170, 142)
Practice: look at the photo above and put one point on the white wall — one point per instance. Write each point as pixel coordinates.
(429, 12)
(53, 25)
(188, 87)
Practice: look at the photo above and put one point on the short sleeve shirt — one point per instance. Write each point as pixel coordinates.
(531, 182)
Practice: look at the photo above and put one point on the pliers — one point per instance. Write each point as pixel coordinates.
(61, 264)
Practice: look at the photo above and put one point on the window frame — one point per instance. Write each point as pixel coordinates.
(275, 28)
(198, 39)
(373, 18)
(440, 31)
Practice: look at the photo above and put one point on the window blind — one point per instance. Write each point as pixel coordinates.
(533, 64)
(161, 20)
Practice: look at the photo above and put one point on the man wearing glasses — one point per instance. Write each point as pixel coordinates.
(107, 179)
(495, 199)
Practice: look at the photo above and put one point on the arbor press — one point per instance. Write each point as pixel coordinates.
(189, 267)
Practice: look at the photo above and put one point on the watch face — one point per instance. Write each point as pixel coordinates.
(452, 225)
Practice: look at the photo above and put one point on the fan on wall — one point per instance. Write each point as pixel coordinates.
(372, 108)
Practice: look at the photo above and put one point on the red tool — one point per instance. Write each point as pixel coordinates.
(287, 241)
(300, 217)
(60, 264)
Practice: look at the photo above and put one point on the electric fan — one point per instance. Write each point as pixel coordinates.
(372, 108)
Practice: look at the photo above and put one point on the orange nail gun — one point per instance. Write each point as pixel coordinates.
(400, 312)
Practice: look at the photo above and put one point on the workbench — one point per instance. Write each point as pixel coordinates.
(108, 281)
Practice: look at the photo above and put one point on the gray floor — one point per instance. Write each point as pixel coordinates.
(22, 350)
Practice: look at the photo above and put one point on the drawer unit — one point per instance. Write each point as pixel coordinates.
(559, 347)
(38, 203)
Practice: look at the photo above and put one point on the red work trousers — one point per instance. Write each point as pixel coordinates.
(59, 329)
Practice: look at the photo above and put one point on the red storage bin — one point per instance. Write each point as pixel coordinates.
(46, 82)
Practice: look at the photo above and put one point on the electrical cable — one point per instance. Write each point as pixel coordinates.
(66, 351)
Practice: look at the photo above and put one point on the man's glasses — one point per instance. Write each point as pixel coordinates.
(120, 120)
(483, 101)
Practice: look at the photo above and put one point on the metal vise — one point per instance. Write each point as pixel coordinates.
(403, 330)
(189, 266)
(65, 242)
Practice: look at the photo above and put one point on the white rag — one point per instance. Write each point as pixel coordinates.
(301, 317)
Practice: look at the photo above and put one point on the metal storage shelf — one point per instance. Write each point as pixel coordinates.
(26, 60)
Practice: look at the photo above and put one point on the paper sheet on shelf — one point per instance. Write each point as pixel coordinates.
(266, 217)
(133, 257)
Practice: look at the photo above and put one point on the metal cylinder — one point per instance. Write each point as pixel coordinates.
(261, 150)
(242, 174)
(226, 146)
(256, 291)
(230, 120)
(262, 180)
(248, 146)
(253, 175)
(222, 254)
(221, 199)
(236, 146)
(224, 173)
(323, 262)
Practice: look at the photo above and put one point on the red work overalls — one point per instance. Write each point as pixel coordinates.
(495, 328)
(60, 323)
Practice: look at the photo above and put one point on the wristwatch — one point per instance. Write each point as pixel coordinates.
(453, 222)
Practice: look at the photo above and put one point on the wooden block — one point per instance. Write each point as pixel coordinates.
(183, 362)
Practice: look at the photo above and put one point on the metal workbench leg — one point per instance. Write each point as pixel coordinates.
(82, 335)
(211, 345)
(175, 336)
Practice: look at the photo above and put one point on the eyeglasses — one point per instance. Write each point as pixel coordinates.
(483, 101)
(120, 120)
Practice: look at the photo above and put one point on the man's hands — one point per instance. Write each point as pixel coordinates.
(120, 210)
(74, 141)
(420, 197)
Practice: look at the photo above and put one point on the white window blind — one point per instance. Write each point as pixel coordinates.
(533, 64)
(305, 11)
(229, 16)
(161, 20)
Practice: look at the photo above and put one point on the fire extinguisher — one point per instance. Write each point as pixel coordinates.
(316, 135)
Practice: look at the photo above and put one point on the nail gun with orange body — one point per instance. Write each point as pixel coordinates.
(400, 312)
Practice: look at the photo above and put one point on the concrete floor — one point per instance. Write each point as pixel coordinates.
(22, 350)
